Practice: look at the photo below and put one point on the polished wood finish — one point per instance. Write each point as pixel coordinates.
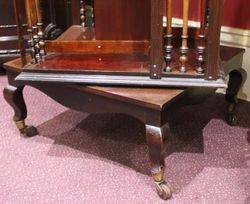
(169, 36)
(184, 46)
(14, 97)
(201, 48)
(213, 68)
(77, 40)
(156, 44)
(125, 35)
(155, 139)
(99, 62)
(98, 47)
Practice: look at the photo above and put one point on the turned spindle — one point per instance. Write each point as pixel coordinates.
(31, 45)
(82, 12)
(40, 33)
(202, 37)
(184, 47)
(36, 41)
(168, 38)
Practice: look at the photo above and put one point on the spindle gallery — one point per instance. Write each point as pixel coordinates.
(134, 54)
(136, 37)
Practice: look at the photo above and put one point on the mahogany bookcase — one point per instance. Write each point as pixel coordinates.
(117, 43)
(123, 42)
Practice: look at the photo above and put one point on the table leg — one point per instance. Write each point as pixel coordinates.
(14, 97)
(155, 139)
(234, 85)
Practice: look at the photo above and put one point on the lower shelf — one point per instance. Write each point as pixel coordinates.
(120, 80)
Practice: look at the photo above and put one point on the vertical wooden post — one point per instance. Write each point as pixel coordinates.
(31, 13)
(156, 39)
(213, 40)
(202, 37)
(184, 47)
(20, 31)
(31, 16)
(168, 37)
(40, 34)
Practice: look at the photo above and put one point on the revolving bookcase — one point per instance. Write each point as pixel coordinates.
(115, 43)
(124, 42)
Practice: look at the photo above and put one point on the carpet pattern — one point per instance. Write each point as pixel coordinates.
(103, 158)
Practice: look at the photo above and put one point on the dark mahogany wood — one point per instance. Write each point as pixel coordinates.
(156, 41)
(122, 20)
(236, 80)
(106, 63)
(155, 140)
(129, 27)
(14, 96)
(213, 66)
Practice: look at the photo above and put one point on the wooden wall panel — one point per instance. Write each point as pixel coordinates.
(122, 19)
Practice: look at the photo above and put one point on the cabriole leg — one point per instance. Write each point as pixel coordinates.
(155, 137)
(234, 85)
(14, 97)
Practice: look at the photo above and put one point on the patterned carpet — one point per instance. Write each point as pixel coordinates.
(80, 158)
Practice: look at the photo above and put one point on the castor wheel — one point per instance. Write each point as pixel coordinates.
(27, 131)
(164, 190)
(231, 118)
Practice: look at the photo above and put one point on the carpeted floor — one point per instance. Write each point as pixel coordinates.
(80, 158)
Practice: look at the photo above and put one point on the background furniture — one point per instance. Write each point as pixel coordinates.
(8, 34)
(53, 25)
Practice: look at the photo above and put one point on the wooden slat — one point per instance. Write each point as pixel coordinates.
(156, 44)
(213, 44)
(20, 31)
(98, 46)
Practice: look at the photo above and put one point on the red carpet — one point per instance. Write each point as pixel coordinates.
(80, 158)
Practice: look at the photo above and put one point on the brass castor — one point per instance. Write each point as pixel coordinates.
(27, 131)
(164, 190)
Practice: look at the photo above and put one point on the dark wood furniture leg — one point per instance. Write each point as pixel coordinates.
(155, 140)
(14, 97)
(234, 85)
